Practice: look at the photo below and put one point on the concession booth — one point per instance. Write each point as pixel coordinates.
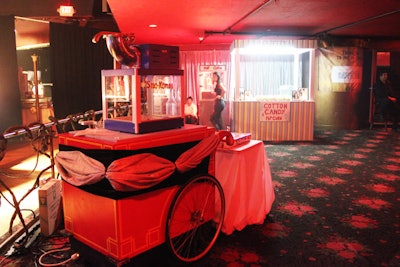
(272, 89)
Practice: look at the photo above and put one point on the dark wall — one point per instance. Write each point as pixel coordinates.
(343, 109)
(10, 104)
(76, 65)
(362, 105)
(395, 70)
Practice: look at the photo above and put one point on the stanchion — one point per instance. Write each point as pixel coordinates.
(36, 82)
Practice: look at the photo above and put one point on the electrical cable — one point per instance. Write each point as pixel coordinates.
(73, 257)
(12, 205)
(42, 139)
(3, 260)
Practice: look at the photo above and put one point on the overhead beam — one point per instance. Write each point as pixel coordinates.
(251, 12)
(347, 25)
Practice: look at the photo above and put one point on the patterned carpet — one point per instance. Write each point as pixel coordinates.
(337, 204)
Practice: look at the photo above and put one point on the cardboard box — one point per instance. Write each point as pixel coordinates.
(49, 206)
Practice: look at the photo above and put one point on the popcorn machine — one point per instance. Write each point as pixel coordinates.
(142, 100)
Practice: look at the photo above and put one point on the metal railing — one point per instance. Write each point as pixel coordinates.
(41, 136)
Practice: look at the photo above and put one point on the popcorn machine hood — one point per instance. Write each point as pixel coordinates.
(121, 47)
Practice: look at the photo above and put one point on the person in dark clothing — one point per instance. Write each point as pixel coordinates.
(386, 100)
(219, 103)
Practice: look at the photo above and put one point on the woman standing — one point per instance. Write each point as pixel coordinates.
(219, 103)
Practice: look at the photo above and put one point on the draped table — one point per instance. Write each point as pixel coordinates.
(245, 176)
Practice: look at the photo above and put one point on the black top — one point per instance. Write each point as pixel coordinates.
(382, 90)
(218, 90)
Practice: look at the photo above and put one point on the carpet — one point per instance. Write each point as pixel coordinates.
(337, 203)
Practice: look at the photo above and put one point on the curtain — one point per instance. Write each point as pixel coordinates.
(76, 68)
(10, 103)
(260, 75)
(192, 60)
(267, 75)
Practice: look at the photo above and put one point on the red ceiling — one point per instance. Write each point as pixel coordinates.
(183, 22)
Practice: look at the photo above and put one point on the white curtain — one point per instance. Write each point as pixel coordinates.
(263, 75)
(191, 61)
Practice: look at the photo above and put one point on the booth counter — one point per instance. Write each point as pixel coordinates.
(274, 121)
(273, 89)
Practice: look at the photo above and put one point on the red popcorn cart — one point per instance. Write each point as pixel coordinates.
(119, 215)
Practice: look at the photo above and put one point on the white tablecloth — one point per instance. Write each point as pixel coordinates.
(245, 177)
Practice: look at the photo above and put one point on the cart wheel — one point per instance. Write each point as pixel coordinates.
(195, 218)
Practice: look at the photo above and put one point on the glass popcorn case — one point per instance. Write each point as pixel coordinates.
(141, 100)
